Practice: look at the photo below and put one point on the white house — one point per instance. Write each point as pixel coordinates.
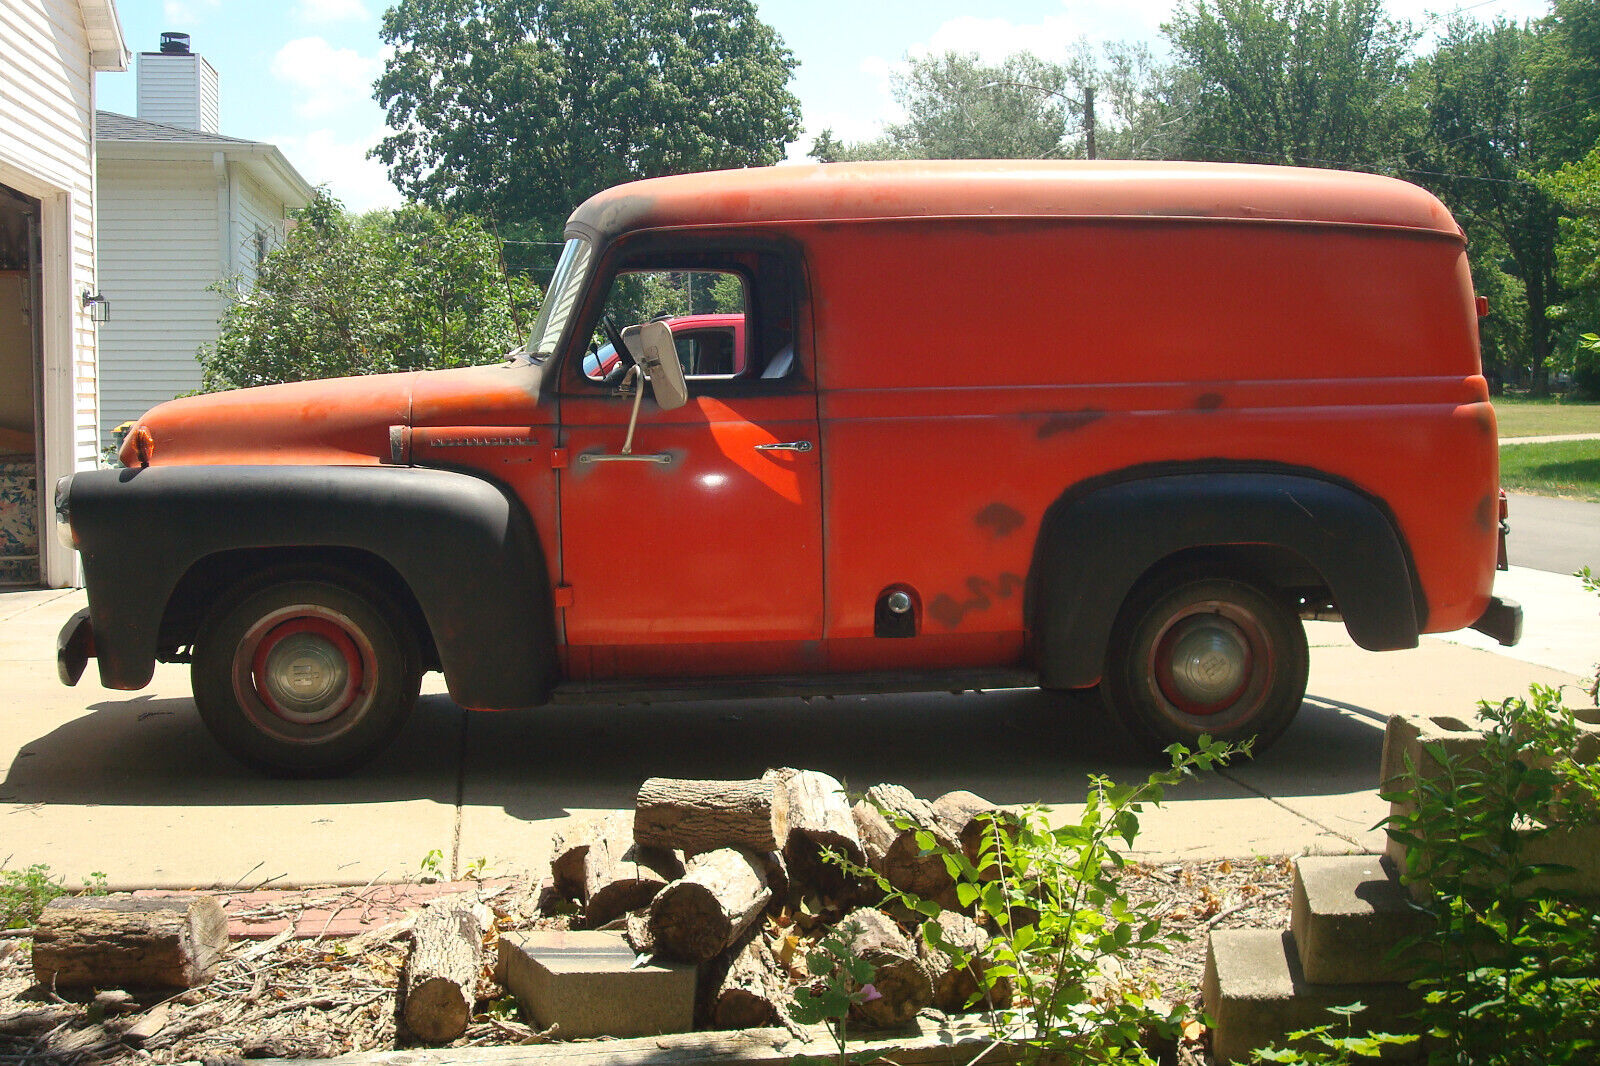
(182, 208)
(49, 52)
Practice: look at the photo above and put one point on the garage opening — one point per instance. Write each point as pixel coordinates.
(21, 403)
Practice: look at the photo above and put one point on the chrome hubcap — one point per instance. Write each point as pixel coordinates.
(1204, 664)
(305, 676)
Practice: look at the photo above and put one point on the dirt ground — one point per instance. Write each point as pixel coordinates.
(316, 996)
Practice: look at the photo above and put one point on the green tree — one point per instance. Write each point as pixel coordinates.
(1499, 120)
(958, 108)
(1302, 82)
(407, 290)
(1025, 107)
(518, 110)
(1577, 188)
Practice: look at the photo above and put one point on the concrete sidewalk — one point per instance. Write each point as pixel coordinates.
(131, 785)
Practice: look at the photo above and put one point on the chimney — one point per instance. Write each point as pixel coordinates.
(177, 87)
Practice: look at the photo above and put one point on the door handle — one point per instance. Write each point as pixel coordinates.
(656, 457)
(791, 446)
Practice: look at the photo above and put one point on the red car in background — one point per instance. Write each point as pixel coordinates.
(709, 346)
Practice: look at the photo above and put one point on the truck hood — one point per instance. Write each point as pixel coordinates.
(343, 421)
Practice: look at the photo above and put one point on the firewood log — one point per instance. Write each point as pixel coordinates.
(599, 865)
(896, 853)
(899, 977)
(439, 986)
(751, 992)
(699, 816)
(719, 896)
(957, 987)
(819, 819)
(119, 942)
(969, 818)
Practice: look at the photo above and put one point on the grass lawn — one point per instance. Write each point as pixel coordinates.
(1562, 468)
(1520, 417)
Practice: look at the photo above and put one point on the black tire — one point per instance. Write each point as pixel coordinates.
(1193, 655)
(305, 678)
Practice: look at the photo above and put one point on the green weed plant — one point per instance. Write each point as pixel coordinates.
(1062, 927)
(25, 892)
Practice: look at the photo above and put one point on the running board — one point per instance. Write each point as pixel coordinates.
(668, 690)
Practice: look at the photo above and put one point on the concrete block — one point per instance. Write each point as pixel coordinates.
(1349, 914)
(1410, 738)
(587, 984)
(1256, 993)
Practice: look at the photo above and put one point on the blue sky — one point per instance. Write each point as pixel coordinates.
(299, 73)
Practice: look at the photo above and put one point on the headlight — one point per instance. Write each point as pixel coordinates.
(64, 512)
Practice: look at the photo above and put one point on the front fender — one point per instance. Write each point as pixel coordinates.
(1098, 541)
(463, 545)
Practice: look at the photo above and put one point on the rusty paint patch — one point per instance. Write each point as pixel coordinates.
(1000, 519)
(1208, 401)
(1487, 513)
(948, 612)
(1070, 421)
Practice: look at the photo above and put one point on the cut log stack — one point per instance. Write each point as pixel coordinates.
(725, 885)
(690, 874)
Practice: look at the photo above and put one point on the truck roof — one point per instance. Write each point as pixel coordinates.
(828, 192)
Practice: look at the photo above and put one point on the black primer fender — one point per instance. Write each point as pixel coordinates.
(466, 548)
(1098, 539)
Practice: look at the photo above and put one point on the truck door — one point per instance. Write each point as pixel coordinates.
(700, 552)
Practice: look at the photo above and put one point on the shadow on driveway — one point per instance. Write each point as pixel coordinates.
(1009, 746)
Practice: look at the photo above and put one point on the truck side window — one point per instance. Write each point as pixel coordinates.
(731, 305)
(706, 310)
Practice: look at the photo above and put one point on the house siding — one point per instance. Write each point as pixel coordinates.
(260, 214)
(46, 152)
(160, 249)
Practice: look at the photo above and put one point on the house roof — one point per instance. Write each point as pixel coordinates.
(1011, 188)
(107, 49)
(113, 127)
(125, 137)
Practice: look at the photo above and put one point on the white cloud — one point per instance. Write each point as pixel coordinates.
(324, 158)
(324, 11)
(325, 80)
(995, 38)
(184, 13)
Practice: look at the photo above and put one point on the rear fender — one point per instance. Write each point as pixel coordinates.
(1098, 540)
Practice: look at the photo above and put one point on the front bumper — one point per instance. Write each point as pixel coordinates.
(1502, 620)
(74, 647)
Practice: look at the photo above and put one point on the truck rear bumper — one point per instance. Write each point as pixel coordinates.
(1502, 621)
(74, 647)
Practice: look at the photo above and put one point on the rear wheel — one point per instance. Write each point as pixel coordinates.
(305, 678)
(1193, 655)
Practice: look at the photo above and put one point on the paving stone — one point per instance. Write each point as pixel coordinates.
(1256, 993)
(1349, 914)
(587, 985)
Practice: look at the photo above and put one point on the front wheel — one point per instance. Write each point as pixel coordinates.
(1204, 655)
(305, 678)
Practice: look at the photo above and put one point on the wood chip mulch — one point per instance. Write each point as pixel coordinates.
(315, 996)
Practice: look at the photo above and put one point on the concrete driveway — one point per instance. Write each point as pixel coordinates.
(131, 785)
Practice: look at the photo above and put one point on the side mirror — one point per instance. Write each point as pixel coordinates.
(650, 344)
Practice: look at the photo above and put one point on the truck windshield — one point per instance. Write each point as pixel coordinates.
(572, 272)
